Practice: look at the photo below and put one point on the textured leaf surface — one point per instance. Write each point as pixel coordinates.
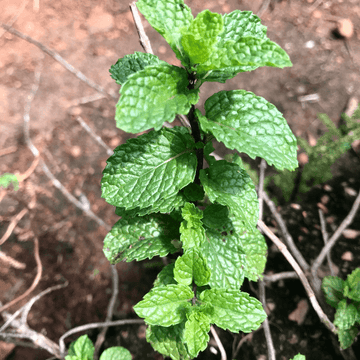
(165, 276)
(152, 96)
(225, 258)
(192, 265)
(299, 357)
(162, 206)
(333, 288)
(149, 169)
(140, 238)
(167, 17)
(196, 331)
(168, 341)
(81, 349)
(228, 184)
(234, 310)
(250, 124)
(352, 288)
(194, 192)
(246, 54)
(215, 216)
(345, 316)
(116, 353)
(165, 306)
(347, 336)
(131, 64)
(199, 38)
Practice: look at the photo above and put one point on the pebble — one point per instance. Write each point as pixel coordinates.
(299, 314)
(99, 21)
(303, 158)
(345, 28)
(75, 151)
(350, 233)
(347, 256)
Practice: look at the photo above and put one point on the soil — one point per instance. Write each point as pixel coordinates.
(91, 36)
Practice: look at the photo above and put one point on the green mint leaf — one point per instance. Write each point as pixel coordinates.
(152, 96)
(7, 179)
(250, 124)
(140, 238)
(229, 185)
(168, 17)
(192, 266)
(201, 35)
(353, 279)
(192, 215)
(234, 310)
(299, 357)
(81, 349)
(194, 192)
(246, 54)
(239, 24)
(149, 168)
(165, 306)
(165, 276)
(255, 249)
(163, 206)
(131, 64)
(168, 341)
(196, 331)
(346, 315)
(215, 216)
(116, 353)
(352, 292)
(347, 336)
(333, 288)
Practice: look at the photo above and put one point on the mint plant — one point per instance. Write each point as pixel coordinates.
(7, 179)
(344, 296)
(171, 193)
(83, 349)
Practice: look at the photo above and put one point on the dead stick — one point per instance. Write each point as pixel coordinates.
(281, 246)
(59, 59)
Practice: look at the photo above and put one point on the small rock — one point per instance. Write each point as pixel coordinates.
(75, 111)
(317, 14)
(99, 21)
(75, 151)
(322, 207)
(295, 206)
(303, 158)
(347, 256)
(350, 234)
(345, 28)
(325, 199)
(327, 187)
(299, 314)
(350, 191)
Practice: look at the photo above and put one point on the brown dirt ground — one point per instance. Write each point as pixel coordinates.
(92, 36)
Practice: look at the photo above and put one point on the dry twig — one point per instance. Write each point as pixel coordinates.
(325, 236)
(14, 221)
(110, 311)
(323, 318)
(59, 59)
(35, 282)
(281, 276)
(218, 342)
(144, 40)
(12, 262)
(325, 250)
(288, 238)
(263, 8)
(8, 150)
(15, 17)
(94, 326)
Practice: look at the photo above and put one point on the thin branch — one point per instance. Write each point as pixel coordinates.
(346, 222)
(325, 236)
(218, 342)
(269, 342)
(8, 150)
(97, 138)
(288, 238)
(35, 282)
(281, 276)
(323, 318)
(245, 338)
(59, 59)
(110, 311)
(13, 223)
(48, 173)
(263, 8)
(12, 262)
(144, 40)
(15, 17)
(94, 326)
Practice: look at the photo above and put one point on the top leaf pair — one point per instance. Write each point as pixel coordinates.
(216, 46)
(211, 47)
